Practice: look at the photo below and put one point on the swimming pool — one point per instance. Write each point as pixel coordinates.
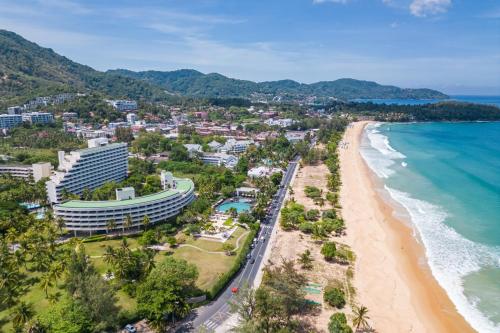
(241, 206)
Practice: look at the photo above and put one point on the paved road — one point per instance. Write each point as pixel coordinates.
(214, 314)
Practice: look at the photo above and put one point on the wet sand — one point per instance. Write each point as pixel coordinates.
(392, 277)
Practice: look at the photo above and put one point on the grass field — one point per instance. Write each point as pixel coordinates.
(210, 267)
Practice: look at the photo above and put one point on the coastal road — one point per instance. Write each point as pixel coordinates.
(211, 316)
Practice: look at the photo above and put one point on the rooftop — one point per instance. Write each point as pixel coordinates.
(183, 186)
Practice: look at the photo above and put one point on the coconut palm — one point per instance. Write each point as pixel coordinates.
(360, 318)
(127, 223)
(46, 283)
(21, 314)
(109, 255)
(110, 225)
(145, 222)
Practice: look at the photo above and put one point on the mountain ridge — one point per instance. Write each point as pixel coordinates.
(189, 82)
(29, 70)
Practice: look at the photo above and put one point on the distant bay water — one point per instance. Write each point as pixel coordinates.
(447, 178)
(489, 100)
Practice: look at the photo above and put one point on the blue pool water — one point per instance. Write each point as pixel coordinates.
(240, 206)
(447, 177)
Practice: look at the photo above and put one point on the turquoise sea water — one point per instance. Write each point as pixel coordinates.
(447, 178)
(491, 100)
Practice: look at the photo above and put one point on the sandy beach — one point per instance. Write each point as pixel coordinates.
(392, 277)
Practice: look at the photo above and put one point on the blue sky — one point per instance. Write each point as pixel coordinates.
(451, 45)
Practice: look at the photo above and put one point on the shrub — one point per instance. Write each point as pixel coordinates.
(328, 250)
(147, 238)
(334, 297)
(306, 227)
(338, 324)
(312, 215)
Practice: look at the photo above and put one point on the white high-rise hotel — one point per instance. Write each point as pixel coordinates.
(88, 168)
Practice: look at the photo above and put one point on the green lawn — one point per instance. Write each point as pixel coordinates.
(210, 267)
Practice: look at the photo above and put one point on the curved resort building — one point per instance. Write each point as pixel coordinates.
(94, 216)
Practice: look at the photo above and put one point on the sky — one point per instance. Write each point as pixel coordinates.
(449, 45)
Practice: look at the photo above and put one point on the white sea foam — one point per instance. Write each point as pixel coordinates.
(378, 141)
(450, 256)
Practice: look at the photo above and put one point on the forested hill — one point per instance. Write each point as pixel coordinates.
(193, 83)
(27, 70)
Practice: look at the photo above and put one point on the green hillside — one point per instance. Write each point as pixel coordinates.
(193, 83)
(28, 70)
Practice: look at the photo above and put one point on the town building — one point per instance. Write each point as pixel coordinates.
(215, 146)
(35, 171)
(38, 117)
(94, 216)
(131, 118)
(193, 149)
(8, 121)
(279, 122)
(15, 110)
(88, 168)
(69, 116)
(262, 171)
(236, 146)
(220, 159)
(295, 136)
(123, 105)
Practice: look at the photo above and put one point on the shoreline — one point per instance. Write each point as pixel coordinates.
(392, 276)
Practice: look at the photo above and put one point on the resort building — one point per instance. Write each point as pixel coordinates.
(10, 120)
(36, 171)
(38, 117)
(220, 159)
(88, 168)
(94, 216)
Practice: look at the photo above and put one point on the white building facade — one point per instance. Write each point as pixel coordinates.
(88, 168)
(94, 216)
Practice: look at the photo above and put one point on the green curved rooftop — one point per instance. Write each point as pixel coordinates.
(183, 186)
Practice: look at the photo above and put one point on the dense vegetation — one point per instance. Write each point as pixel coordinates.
(193, 83)
(28, 70)
(277, 305)
(443, 111)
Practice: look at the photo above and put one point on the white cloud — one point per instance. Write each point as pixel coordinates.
(394, 25)
(423, 8)
(66, 5)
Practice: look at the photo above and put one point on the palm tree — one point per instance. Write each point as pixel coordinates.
(21, 314)
(127, 223)
(110, 225)
(109, 255)
(360, 317)
(146, 221)
(46, 282)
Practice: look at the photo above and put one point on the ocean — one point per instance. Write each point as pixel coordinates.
(489, 100)
(445, 177)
